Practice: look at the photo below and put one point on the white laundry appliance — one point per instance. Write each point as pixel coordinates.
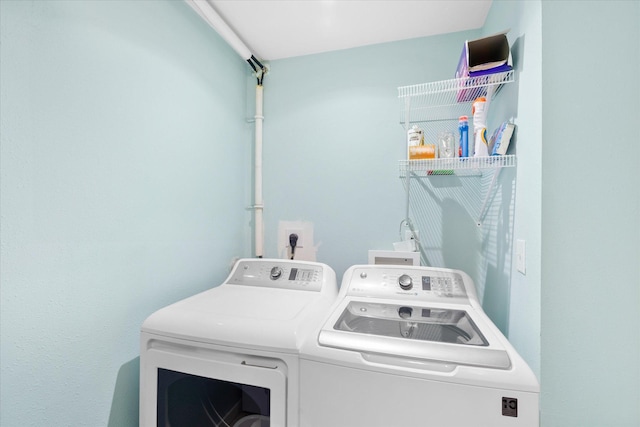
(229, 356)
(411, 346)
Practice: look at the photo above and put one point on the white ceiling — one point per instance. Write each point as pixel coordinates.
(276, 29)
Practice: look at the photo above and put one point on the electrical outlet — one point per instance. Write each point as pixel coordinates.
(298, 231)
(305, 246)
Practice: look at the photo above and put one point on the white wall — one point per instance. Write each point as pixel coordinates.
(123, 180)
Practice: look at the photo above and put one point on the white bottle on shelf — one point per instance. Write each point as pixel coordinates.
(479, 110)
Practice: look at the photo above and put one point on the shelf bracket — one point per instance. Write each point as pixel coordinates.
(489, 193)
(423, 256)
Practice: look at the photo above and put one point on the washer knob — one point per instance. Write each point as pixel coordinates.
(275, 274)
(405, 282)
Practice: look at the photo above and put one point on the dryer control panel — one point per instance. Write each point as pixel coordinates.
(284, 274)
(416, 283)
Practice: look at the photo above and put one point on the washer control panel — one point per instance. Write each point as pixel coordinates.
(414, 283)
(278, 274)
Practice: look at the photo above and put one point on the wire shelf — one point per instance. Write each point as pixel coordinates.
(446, 100)
(436, 107)
(454, 85)
(460, 166)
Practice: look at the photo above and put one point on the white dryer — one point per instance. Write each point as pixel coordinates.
(411, 346)
(229, 356)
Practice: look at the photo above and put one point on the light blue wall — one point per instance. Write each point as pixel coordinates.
(326, 110)
(590, 214)
(332, 143)
(523, 100)
(124, 183)
(125, 168)
(333, 140)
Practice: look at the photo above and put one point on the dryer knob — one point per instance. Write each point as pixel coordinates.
(275, 274)
(405, 282)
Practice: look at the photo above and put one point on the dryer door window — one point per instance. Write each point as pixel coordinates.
(184, 386)
(191, 400)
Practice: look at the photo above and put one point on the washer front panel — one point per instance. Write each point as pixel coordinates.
(423, 313)
(407, 283)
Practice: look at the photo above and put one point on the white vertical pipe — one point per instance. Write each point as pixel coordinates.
(208, 13)
(258, 204)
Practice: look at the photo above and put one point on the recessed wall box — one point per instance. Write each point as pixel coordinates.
(394, 257)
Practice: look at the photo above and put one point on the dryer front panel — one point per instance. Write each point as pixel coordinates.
(183, 385)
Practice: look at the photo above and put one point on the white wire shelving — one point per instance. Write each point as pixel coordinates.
(436, 107)
(447, 99)
(461, 166)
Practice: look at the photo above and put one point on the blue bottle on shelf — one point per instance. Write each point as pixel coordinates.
(463, 127)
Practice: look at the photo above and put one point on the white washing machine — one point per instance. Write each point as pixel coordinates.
(411, 346)
(230, 356)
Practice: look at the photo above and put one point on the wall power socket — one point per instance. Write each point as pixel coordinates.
(299, 232)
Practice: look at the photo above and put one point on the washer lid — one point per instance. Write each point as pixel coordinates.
(433, 333)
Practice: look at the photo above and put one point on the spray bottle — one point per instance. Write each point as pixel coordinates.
(479, 110)
(463, 127)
